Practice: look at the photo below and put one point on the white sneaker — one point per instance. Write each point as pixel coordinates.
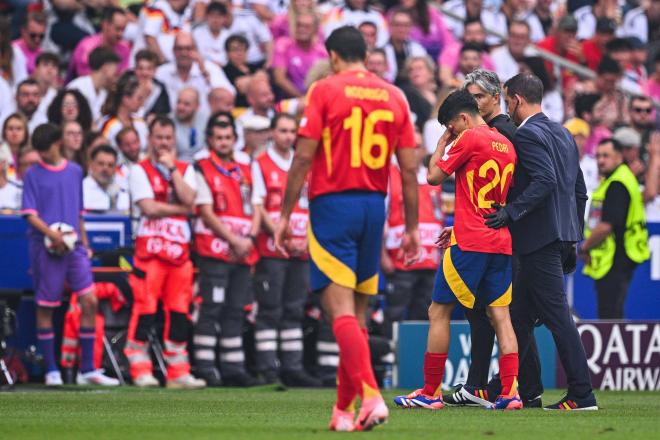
(54, 379)
(187, 382)
(146, 381)
(96, 377)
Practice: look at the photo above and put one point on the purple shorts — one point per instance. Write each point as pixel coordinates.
(50, 272)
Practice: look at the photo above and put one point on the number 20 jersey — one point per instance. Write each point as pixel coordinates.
(483, 161)
(360, 120)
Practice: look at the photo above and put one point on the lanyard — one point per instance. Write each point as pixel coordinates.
(234, 172)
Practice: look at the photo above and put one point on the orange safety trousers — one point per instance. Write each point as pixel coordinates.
(171, 285)
(71, 331)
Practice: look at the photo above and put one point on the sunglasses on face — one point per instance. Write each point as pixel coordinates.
(642, 110)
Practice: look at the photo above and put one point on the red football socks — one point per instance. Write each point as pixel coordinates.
(346, 394)
(434, 367)
(354, 357)
(509, 373)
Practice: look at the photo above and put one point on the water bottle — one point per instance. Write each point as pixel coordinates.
(387, 377)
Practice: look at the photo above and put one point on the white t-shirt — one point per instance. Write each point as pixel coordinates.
(411, 48)
(140, 187)
(586, 21)
(211, 47)
(111, 126)
(7, 102)
(491, 18)
(161, 22)
(589, 168)
(18, 65)
(168, 75)
(343, 16)
(11, 194)
(96, 198)
(635, 24)
(95, 98)
(276, 6)
(258, 183)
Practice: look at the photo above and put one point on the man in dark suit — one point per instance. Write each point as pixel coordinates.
(545, 214)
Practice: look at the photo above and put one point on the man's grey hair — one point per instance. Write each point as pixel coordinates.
(485, 80)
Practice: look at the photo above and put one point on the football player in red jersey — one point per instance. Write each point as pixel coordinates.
(476, 267)
(358, 120)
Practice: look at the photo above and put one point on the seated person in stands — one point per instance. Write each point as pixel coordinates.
(101, 189)
(10, 190)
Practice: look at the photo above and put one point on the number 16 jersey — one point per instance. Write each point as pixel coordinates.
(360, 120)
(484, 161)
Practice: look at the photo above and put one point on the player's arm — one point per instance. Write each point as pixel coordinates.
(436, 175)
(408, 164)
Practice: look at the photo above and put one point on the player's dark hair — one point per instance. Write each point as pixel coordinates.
(48, 57)
(161, 121)
(217, 7)
(220, 116)
(104, 148)
(278, 117)
(474, 47)
(26, 82)
(213, 124)
(235, 38)
(101, 56)
(457, 102)
(45, 136)
(615, 144)
(348, 43)
(526, 85)
(84, 112)
(609, 65)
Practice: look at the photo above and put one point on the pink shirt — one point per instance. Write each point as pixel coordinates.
(651, 88)
(450, 57)
(438, 38)
(30, 56)
(79, 65)
(297, 61)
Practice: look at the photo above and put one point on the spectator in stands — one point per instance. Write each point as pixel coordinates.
(71, 24)
(630, 142)
(157, 101)
(377, 62)
(94, 87)
(401, 45)
(190, 70)
(33, 32)
(544, 13)
(470, 59)
(10, 189)
(587, 16)
(621, 51)
(46, 74)
(506, 58)
(581, 131)
(428, 26)
(28, 97)
(256, 135)
(70, 105)
(13, 65)
(517, 10)
(220, 99)
(210, 36)
(7, 102)
(101, 192)
(636, 71)
(369, 32)
(261, 99)
(642, 22)
(612, 108)
(471, 11)
(354, 13)
(563, 43)
(616, 237)
(594, 48)
(244, 22)
(121, 109)
(642, 120)
(237, 69)
(72, 142)
(189, 124)
(113, 24)
(15, 137)
(130, 149)
(474, 33)
(421, 90)
(162, 21)
(284, 24)
(293, 57)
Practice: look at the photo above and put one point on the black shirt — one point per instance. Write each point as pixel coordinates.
(233, 73)
(615, 212)
(418, 105)
(504, 125)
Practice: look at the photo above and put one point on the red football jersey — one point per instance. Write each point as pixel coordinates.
(483, 161)
(360, 120)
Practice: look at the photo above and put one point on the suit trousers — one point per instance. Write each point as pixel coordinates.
(538, 293)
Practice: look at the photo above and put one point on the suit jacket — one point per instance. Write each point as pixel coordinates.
(547, 200)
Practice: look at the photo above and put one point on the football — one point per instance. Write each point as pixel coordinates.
(70, 237)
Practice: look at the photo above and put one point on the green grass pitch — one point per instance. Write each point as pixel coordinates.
(266, 413)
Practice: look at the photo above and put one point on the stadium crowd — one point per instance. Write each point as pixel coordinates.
(232, 79)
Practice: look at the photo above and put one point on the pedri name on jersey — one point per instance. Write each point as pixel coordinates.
(367, 93)
(500, 147)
